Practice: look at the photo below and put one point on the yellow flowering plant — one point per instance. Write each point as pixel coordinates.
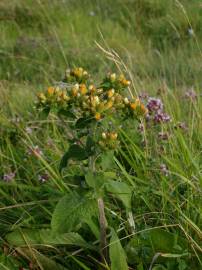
(97, 114)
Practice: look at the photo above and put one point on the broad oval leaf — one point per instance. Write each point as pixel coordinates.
(43, 237)
(121, 190)
(72, 210)
(117, 253)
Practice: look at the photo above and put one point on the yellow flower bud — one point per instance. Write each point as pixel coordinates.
(92, 88)
(75, 89)
(42, 97)
(123, 80)
(97, 116)
(113, 136)
(126, 101)
(113, 77)
(50, 90)
(109, 105)
(65, 97)
(104, 135)
(134, 105)
(83, 89)
(143, 109)
(110, 93)
(97, 100)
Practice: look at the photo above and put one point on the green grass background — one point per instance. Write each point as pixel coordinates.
(160, 43)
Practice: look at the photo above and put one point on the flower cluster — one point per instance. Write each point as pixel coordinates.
(9, 177)
(109, 140)
(83, 99)
(90, 100)
(155, 111)
(53, 96)
(76, 75)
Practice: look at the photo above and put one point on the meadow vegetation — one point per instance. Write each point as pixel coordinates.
(100, 166)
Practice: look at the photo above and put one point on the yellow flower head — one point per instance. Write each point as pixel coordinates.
(75, 90)
(109, 105)
(110, 93)
(144, 110)
(50, 90)
(113, 77)
(113, 136)
(83, 89)
(64, 96)
(92, 89)
(42, 97)
(104, 135)
(97, 116)
(134, 105)
(123, 80)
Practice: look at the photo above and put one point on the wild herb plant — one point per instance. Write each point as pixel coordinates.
(96, 115)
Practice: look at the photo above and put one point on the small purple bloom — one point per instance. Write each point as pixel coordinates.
(9, 177)
(154, 104)
(191, 94)
(43, 177)
(161, 117)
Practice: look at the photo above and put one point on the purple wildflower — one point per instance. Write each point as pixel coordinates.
(161, 117)
(191, 94)
(9, 177)
(43, 177)
(154, 104)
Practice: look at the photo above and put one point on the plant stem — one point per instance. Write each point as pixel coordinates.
(102, 220)
(103, 229)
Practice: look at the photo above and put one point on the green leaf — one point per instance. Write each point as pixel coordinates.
(44, 237)
(121, 190)
(156, 241)
(66, 113)
(39, 258)
(95, 180)
(107, 160)
(83, 122)
(161, 240)
(117, 253)
(75, 152)
(71, 211)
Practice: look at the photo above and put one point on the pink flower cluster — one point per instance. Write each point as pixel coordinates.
(155, 111)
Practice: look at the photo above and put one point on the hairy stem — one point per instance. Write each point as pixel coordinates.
(103, 229)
